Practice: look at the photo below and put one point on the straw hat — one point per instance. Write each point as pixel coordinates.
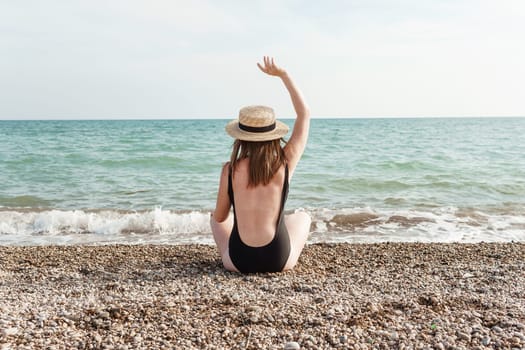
(256, 123)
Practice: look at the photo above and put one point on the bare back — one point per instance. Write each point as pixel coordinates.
(257, 208)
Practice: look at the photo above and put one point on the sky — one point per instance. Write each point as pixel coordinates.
(115, 59)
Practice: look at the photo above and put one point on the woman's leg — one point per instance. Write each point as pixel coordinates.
(221, 234)
(298, 226)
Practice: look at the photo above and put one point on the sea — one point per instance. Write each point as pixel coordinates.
(70, 182)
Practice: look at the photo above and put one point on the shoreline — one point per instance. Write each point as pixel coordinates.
(337, 225)
(355, 296)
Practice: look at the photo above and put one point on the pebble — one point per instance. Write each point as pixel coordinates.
(373, 307)
(292, 345)
(463, 336)
(497, 329)
(9, 331)
(520, 335)
(103, 314)
(253, 308)
(485, 341)
(439, 346)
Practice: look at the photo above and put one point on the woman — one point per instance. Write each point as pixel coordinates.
(258, 237)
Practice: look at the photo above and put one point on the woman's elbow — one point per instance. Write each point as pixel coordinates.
(305, 112)
(218, 217)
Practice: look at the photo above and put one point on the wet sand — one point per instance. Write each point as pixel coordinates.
(347, 296)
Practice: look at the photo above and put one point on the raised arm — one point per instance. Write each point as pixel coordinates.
(295, 147)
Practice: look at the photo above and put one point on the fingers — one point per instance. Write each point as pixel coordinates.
(261, 67)
(269, 66)
(273, 66)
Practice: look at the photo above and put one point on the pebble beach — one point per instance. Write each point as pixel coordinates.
(340, 296)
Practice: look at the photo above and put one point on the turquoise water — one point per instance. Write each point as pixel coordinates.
(360, 179)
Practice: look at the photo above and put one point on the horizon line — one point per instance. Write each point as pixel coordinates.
(283, 118)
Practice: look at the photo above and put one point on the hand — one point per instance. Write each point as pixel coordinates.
(271, 68)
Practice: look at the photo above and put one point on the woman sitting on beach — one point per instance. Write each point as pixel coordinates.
(258, 237)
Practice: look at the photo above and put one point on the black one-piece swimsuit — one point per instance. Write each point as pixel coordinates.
(268, 258)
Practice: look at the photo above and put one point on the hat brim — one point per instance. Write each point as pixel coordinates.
(232, 128)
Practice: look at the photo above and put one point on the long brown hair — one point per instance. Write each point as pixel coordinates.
(265, 159)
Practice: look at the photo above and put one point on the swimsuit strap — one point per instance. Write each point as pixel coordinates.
(230, 187)
(284, 194)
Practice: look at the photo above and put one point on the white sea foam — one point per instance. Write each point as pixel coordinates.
(104, 226)
(157, 226)
(450, 224)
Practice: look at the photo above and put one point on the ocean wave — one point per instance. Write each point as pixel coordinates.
(443, 224)
(359, 225)
(92, 226)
